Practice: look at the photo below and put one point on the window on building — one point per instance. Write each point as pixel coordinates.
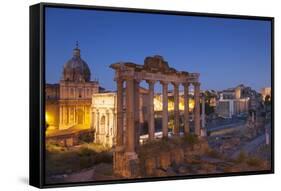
(80, 92)
(71, 92)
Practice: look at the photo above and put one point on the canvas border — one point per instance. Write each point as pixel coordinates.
(37, 93)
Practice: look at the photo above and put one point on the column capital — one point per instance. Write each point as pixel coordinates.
(176, 84)
(151, 81)
(137, 80)
(186, 84)
(164, 83)
(119, 80)
(196, 83)
(129, 78)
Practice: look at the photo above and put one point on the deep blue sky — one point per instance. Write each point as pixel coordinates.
(226, 52)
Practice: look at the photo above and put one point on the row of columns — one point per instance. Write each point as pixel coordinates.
(132, 111)
(176, 108)
(68, 112)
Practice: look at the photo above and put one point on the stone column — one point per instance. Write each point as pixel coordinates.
(186, 108)
(130, 116)
(203, 122)
(98, 126)
(114, 126)
(60, 116)
(63, 115)
(74, 115)
(68, 115)
(84, 113)
(176, 109)
(137, 112)
(203, 118)
(119, 132)
(267, 136)
(165, 109)
(93, 119)
(151, 127)
(197, 108)
(107, 122)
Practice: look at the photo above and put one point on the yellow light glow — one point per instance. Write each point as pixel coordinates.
(47, 117)
(191, 104)
(158, 106)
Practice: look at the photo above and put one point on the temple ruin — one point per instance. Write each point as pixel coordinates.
(130, 75)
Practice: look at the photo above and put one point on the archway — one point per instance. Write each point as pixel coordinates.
(102, 124)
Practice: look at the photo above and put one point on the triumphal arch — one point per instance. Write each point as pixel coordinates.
(128, 77)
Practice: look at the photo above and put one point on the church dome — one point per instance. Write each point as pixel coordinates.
(76, 69)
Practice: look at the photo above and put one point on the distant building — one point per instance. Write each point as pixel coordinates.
(213, 102)
(234, 101)
(211, 97)
(266, 92)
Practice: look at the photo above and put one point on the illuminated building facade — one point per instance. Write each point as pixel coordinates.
(68, 103)
(104, 118)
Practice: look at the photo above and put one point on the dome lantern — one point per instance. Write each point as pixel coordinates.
(76, 69)
(76, 51)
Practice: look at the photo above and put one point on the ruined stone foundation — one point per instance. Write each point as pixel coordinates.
(126, 164)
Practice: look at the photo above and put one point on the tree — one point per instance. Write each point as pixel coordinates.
(208, 96)
(267, 100)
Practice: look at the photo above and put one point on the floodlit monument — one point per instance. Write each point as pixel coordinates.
(104, 109)
(155, 69)
(68, 103)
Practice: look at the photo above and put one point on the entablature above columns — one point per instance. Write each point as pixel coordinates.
(154, 69)
(169, 78)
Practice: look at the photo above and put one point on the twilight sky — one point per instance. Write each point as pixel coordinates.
(226, 52)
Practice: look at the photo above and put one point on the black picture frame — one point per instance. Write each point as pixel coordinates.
(37, 93)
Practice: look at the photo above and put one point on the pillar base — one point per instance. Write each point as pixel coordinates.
(203, 132)
(119, 148)
(126, 164)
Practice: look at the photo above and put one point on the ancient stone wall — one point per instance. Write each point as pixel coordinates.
(168, 162)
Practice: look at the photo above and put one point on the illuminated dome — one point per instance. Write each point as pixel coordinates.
(76, 69)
